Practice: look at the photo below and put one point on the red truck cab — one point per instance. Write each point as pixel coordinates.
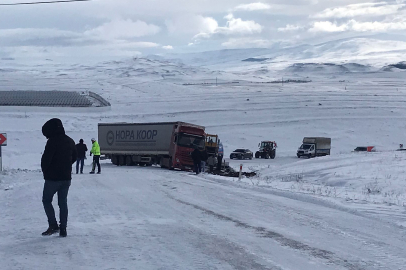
(186, 138)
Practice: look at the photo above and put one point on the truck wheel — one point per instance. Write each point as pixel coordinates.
(114, 159)
(128, 160)
(298, 156)
(161, 163)
(121, 161)
(257, 155)
(170, 164)
(309, 156)
(267, 156)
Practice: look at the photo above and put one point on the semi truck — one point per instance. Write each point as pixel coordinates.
(166, 144)
(314, 147)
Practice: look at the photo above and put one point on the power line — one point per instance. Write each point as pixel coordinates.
(44, 2)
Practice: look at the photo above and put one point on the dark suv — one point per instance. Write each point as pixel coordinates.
(241, 154)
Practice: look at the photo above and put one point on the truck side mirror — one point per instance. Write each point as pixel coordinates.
(259, 145)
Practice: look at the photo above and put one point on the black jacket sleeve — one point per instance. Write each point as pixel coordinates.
(74, 152)
(48, 154)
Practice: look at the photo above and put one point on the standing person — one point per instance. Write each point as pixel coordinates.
(56, 164)
(96, 156)
(220, 156)
(211, 161)
(203, 157)
(81, 149)
(196, 160)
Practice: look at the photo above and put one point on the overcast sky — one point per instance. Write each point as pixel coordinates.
(126, 28)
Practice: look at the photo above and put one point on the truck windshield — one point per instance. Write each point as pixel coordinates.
(305, 146)
(189, 140)
(266, 144)
(211, 139)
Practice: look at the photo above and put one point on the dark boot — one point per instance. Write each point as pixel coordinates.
(51, 230)
(62, 232)
(92, 172)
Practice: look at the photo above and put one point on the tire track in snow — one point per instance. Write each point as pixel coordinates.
(326, 255)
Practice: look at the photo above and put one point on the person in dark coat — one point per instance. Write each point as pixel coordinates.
(203, 157)
(196, 157)
(81, 149)
(56, 164)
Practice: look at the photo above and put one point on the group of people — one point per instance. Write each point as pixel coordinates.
(56, 164)
(200, 158)
(81, 150)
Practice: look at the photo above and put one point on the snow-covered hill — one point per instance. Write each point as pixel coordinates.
(370, 51)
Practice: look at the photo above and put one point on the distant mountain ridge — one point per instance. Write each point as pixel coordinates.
(369, 51)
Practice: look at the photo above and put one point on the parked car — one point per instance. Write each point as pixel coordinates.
(401, 148)
(365, 149)
(241, 154)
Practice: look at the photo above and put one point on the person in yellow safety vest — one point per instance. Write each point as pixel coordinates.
(96, 156)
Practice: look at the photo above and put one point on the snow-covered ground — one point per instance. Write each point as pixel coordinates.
(345, 211)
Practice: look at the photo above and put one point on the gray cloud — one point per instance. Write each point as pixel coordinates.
(363, 9)
(128, 27)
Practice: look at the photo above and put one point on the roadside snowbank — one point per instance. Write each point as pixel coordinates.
(359, 177)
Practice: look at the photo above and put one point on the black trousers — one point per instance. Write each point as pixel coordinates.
(80, 161)
(96, 161)
(219, 162)
(50, 188)
(198, 167)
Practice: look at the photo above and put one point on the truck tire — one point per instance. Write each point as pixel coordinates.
(170, 164)
(267, 156)
(273, 154)
(161, 163)
(298, 156)
(114, 159)
(257, 155)
(128, 161)
(121, 160)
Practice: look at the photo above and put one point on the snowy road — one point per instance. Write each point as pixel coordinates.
(150, 218)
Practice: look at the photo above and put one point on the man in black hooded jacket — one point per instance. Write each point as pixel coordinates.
(56, 164)
(196, 157)
(81, 149)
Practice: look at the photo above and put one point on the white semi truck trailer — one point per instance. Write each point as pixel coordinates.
(166, 144)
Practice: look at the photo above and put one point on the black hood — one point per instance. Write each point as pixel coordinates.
(53, 128)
